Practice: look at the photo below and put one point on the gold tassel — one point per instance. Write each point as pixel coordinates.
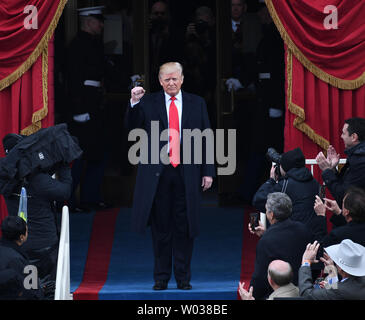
(299, 121)
(41, 49)
(9, 80)
(39, 115)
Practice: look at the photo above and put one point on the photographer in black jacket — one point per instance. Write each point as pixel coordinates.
(42, 192)
(297, 182)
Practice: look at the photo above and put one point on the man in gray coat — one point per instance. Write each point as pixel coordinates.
(349, 259)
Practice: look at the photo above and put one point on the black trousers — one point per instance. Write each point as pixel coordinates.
(170, 228)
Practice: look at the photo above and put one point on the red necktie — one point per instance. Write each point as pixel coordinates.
(174, 134)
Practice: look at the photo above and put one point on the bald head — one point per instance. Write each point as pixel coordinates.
(280, 272)
(279, 266)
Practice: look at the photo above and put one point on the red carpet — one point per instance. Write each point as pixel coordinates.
(98, 257)
(248, 249)
(100, 247)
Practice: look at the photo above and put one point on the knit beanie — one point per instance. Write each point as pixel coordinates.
(292, 159)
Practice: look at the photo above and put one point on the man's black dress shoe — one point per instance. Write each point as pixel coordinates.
(160, 285)
(96, 206)
(184, 285)
(82, 208)
(103, 205)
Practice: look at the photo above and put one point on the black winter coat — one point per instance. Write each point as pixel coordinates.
(301, 188)
(285, 240)
(42, 191)
(194, 116)
(352, 230)
(352, 174)
(13, 260)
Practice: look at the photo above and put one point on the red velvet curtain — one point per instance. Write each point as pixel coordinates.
(26, 67)
(316, 111)
(325, 69)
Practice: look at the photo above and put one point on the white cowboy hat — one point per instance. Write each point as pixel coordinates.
(349, 256)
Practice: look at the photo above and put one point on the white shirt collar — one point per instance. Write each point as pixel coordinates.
(178, 97)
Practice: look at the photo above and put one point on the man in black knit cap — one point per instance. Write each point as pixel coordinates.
(298, 183)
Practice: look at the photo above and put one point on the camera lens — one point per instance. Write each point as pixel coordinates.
(273, 155)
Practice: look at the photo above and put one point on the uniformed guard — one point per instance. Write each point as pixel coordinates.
(268, 114)
(271, 81)
(85, 75)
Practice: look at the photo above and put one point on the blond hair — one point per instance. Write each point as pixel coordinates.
(170, 67)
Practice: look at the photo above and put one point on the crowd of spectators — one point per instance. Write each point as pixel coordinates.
(328, 262)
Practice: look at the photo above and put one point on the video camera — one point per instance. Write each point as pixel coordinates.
(273, 156)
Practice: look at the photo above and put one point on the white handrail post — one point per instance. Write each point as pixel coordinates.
(63, 264)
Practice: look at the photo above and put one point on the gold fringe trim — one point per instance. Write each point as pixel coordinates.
(42, 113)
(299, 121)
(4, 83)
(324, 76)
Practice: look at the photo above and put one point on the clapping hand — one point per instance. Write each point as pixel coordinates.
(333, 157)
(329, 162)
(244, 294)
(323, 162)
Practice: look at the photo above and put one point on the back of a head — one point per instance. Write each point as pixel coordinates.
(13, 227)
(292, 159)
(356, 125)
(354, 201)
(10, 141)
(280, 204)
(280, 272)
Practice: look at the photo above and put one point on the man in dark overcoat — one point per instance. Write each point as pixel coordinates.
(285, 240)
(167, 193)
